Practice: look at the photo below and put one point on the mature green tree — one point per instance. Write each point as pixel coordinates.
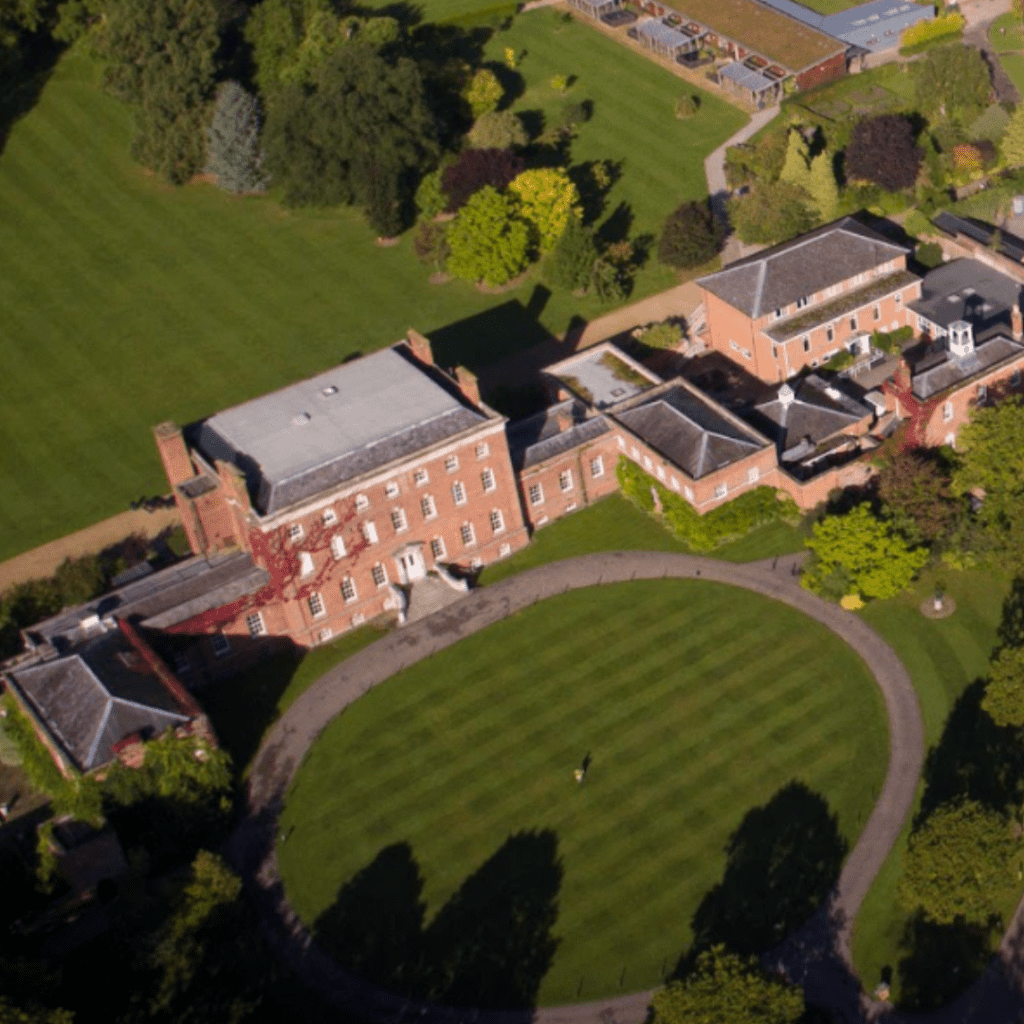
(233, 141)
(1004, 692)
(859, 547)
(363, 117)
(991, 466)
(489, 241)
(32, 1013)
(290, 39)
(497, 129)
(207, 961)
(484, 92)
(548, 200)
(571, 263)
(882, 150)
(690, 236)
(727, 989)
(771, 213)
(160, 58)
(821, 186)
(960, 865)
(953, 82)
(916, 497)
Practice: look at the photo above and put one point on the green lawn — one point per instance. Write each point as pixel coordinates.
(943, 657)
(830, 6)
(1007, 33)
(127, 302)
(616, 524)
(1013, 65)
(435, 826)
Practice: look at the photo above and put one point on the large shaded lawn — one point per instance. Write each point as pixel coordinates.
(944, 658)
(126, 302)
(435, 830)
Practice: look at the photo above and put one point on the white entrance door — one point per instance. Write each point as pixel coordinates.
(410, 566)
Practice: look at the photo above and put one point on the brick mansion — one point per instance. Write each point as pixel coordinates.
(331, 501)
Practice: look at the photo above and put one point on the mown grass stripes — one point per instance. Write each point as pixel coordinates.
(698, 702)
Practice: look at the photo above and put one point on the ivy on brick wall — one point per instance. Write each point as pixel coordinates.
(704, 532)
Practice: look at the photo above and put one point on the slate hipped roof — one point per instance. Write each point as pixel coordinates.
(779, 276)
(689, 430)
(970, 290)
(552, 432)
(940, 369)
(93, 698)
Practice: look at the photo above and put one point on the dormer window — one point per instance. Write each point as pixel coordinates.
(777, 314)
(802, 302)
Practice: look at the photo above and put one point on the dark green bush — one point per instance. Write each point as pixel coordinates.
(705, 532)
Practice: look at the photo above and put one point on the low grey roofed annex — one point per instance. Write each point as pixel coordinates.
(690, 430)
(816, 412)
(939, 369)
(809, 264)
(967, 289)
(315, 434)
(93, 698)
(544, 435)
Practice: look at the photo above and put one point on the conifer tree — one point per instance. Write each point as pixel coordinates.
(233, 141)
(795, 168)
(821, 186)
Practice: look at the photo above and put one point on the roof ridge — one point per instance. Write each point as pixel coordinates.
(99, 730)
(763, 272)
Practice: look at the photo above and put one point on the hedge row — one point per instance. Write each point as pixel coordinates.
(704, 532)
(923, 34)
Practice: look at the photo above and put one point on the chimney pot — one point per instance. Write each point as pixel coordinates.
(1017, 322)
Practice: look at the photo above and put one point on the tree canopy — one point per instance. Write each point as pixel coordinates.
(548, 200)
(863, 552)
(953, 82)
(160, 58)
(498, 129)
(1012, 143)
(489, 241)
(882, 150)
(362, 126)
(960, 865)
(476, 168)
(915, 494)
(233, 141)
(821, 186)
(571, 264)
(1004, 692)
(771, 213)
(691, 236)
(726, 989)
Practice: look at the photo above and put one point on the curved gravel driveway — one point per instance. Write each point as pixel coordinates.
(818, 955)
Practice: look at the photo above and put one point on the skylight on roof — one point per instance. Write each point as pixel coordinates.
(328, 391)
(301, 419)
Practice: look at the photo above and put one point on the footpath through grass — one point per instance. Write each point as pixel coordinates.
(443, 803)
(127, 302)
(943, 658)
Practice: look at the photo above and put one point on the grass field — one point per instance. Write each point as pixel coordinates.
(409, 810)
(1007, 33)
(943, 657)
(127, 303)
(1013, 65)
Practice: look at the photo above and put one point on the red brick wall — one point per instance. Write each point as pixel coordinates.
(959, 404)
(827, 71)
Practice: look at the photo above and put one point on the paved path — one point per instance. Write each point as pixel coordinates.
(818, 955)
(42, 561)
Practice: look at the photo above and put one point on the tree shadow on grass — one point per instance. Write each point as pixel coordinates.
(489, 336)
(941, 961)
(490, 946)
(783, 861)
(23, 78)
(974, 759)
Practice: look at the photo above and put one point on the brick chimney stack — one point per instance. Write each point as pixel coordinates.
(565, 420)
(1017, 322)
(468, 384)
(420, 346)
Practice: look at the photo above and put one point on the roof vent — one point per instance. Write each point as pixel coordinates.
(833, 392)
(90, 622)
(786, 395)
(301, 419)
(329, 391)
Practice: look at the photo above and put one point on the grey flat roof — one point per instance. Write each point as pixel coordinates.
(804, 266)
(940, 370)
(690, 430)
(95, 697)
(874, 26)
(967, 290)
(315, 434)
(657, 30)
(1009, 245)
(747, 77)
(603, 376)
